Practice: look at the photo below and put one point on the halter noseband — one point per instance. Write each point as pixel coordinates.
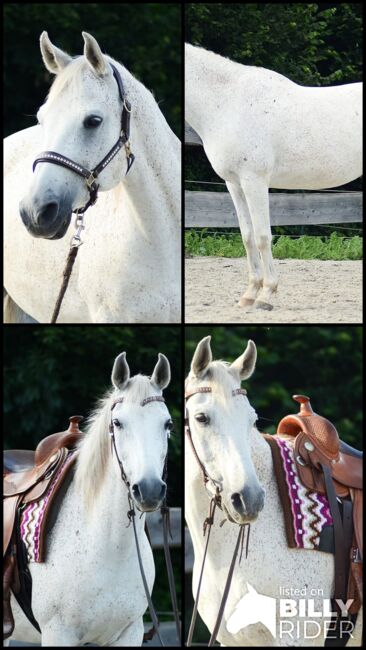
(92, 175)
(204, 389)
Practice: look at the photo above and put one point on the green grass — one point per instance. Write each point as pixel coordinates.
(335, 247)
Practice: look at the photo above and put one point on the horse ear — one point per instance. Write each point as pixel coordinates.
(161, 375)
(245, 364)
(202, 357)
(54, 59)
(94, 56)
(120, 372)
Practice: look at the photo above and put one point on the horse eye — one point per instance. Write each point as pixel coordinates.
(117, 424)
(92, 121)
(169, 425)
(202, 418)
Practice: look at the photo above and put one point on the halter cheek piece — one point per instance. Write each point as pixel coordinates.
(92, 175)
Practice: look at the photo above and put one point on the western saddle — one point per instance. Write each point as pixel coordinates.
(327, 465)
(27, 477)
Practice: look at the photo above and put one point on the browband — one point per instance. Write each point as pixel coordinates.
(147, 400)
(208, 389)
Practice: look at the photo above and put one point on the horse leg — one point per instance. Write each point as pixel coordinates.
(256, 194)
(13, 313)
(247, 233)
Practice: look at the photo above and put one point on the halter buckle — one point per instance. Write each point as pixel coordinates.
(90, 180)
(128, 148)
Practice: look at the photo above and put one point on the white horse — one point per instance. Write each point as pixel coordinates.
(239, 460)
(261, 130)
(128, 269)
(89, 589)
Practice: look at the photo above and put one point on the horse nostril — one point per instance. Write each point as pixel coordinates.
(236, 500)
(136, 491)
(47, 213)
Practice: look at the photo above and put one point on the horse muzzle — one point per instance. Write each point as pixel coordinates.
(49, 220)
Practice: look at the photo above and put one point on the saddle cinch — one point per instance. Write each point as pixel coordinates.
(328, 465)
(27, 477)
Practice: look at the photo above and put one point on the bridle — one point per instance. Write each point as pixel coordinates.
(215, 502)
(92, 175)
(131, 514)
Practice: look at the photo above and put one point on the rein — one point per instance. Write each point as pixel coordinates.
(164, 510)
(207, 525)
(90, 177)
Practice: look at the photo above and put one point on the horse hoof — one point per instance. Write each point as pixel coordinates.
(246, 302)
(263, 305)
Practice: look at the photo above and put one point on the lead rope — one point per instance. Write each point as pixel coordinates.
(207, 525)
(240, 541)
(74, 249)
(169, 568)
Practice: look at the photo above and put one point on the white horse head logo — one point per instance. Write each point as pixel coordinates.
(253, 608)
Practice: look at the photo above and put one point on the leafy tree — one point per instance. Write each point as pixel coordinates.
(313, 44)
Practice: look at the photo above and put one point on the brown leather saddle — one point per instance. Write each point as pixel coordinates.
(27, 477)
(327, 465)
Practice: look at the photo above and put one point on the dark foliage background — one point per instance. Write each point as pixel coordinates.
(51, 373)
(324, 363)
(312, 44)
(144, 37)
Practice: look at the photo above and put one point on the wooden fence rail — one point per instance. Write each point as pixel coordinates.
(216, 209)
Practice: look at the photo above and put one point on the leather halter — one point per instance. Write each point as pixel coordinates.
(204, 389)
(92, 175)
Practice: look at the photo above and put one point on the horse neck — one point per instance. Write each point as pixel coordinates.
(204, 88)
(153, 184)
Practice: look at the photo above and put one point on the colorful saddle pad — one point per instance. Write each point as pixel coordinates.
(306, 513)
(34, 515)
